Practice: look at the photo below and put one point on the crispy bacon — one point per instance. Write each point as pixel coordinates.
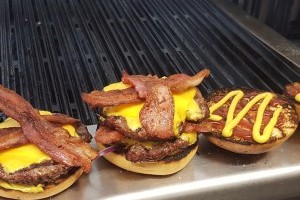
(60, 118)
(202, 104)
(111, 98)
(176, 82)
(208, 127)
(293, 89)
(53, 140)
(11, 137)
(105, 135)
(182, 82)
(157, 114)
(244, 128)
(141, 85)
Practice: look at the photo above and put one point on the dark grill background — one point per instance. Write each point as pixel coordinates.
(51, 51)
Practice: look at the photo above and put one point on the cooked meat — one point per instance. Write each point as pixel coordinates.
(44, 173)
(176, 82)
(14, 137)
(11, 137)
(202, 105)
(83, 133)
(119, 123)
(105, 135)
(157, 114)
(139, 153)
(293, 89)
(60, 118)
(111, 98)
(286, 121)
(142, 84)
(54, 141)
(182, 82)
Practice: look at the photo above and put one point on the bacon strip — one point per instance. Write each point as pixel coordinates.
(208, 127)
(60, 118)
(11, 137)
(111, 98)
(54, 141)
(105, 135)
(157, 114)
(141, 83)
(292, 89)
(182, 82)
(176, 82)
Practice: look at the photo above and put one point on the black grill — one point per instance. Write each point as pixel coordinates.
(51, 51)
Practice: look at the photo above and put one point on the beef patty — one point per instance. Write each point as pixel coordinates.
(44, 173)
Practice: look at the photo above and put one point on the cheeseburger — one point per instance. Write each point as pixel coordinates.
(142, 118)
(41, 154)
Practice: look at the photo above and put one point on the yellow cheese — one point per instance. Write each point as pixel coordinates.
(22, 188)
(185, 108)
(27, 154)
(18, 158)
(189, 137)
(21, 157)
(297, 97)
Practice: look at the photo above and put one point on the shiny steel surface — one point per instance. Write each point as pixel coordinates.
(268, 36)
(212, 174)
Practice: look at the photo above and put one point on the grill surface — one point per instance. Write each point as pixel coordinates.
(51, 51)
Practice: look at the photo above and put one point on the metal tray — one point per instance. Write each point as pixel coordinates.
(212, 174)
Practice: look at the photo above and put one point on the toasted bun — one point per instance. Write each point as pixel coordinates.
(14, 194)
(245, 148)
(288, 126)
(152, 168)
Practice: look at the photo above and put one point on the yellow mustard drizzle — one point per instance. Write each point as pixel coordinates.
(297, 97)
(232, 121)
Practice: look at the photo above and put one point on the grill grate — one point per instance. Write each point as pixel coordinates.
(51, 51)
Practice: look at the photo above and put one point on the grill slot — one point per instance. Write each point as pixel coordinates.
(51, 51)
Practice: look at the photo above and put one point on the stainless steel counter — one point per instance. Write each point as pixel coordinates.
(212, 174)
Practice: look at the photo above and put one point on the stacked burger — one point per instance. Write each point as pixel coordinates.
(41, 154)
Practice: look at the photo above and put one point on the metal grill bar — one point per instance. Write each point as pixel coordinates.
(51, 51)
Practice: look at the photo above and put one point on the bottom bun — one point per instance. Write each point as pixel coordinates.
(14, 194)
(245, 148)
(152, 168)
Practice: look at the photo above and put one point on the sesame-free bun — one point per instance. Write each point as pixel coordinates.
(152, 168)
(53, 190)
(237, 147)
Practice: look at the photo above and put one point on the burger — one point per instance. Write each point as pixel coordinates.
(141, 120)
(247, 121)
(41, 153)
(292, 90)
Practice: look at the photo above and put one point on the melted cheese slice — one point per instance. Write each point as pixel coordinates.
(22, 188)
(18, 158)
(297, 97)
(185, 108)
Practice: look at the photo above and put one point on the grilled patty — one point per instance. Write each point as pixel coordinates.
(44, 173)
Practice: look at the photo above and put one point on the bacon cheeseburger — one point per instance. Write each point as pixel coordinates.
(142, 120)
(247, 121)
(41, 154)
